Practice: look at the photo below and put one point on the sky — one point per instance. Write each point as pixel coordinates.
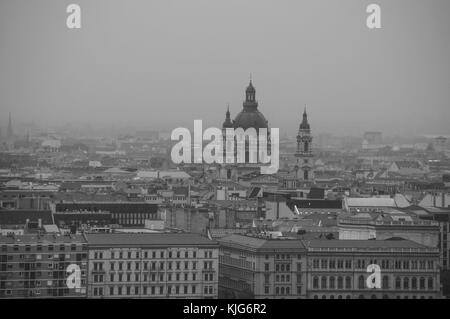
(161, 64)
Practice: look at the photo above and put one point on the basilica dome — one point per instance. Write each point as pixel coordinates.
(253, 118)
(250, 116)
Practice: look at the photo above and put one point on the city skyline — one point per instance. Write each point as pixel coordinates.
(158, 66)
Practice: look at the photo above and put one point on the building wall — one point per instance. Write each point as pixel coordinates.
(342, 275)
(153, 272)
(258, 274)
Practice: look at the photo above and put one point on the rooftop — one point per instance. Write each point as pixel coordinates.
(364, 244)
(254, 242)
(42, 239)
(149, 239)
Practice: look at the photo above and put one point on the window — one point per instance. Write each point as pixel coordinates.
(385, 282)
(315, 263)
(361, 282)
(406, 283)
(340, 283)
(332, 282)
(430, 283)
(348, 283)
(414, 283)
(316, 282)
(398, 283)
(324, 282)
(422, 283)
(332, 264)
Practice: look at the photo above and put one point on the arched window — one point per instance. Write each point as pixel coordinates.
(422, 283)
(282, 290)
(406, 283)
(306, 147)
(361, 297)
(340, 297)
(385, 297)
(324, 283)
(332, 282)
(340, 283)
(324, 297)
(288, 290)
(316, 297)
(414, 283)
(332, 297)
(277, 290)
(361, 282)
(398, 283)
(430, 283)
(316, 282)
(385, 283)
(373, 297)
(348, 283)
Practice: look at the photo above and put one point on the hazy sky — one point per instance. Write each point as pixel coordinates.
(164, 63)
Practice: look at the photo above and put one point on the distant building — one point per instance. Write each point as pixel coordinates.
(369, 204)
(26, 198)
(122, 213)
(153, 265)
(440, 144)
(407, 168)
(387, 225)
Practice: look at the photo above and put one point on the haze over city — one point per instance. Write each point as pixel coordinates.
(162, 64)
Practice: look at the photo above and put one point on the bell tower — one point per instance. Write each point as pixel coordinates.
(304, 155)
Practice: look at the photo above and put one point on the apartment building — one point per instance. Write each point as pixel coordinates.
(35, 266)
(152, 265)
(261, 267)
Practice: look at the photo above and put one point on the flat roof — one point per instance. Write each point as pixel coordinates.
(149, 239)
(367, 244)
(46, 239)
(262, 243)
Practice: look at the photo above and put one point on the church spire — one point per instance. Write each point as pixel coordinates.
(250, 97)
(305, 125)
(227, 123)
